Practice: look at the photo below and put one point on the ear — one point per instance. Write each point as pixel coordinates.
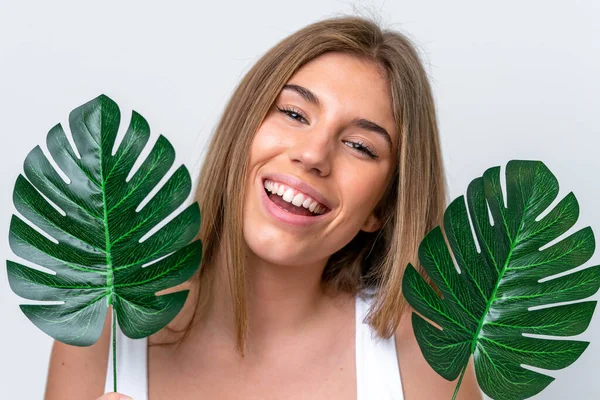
(372, 224)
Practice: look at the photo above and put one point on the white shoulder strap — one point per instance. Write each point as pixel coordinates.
(132, 367)
(377, 371)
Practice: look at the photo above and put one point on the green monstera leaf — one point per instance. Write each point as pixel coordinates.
(495, 274)
(94, 243)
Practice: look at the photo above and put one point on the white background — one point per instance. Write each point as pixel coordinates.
(512, 80)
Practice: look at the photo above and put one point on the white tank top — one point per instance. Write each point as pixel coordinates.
(377, 372)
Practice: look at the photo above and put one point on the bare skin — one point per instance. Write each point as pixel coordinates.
(74, 375)
(301, 342)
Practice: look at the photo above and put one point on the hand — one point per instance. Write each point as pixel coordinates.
(114, 396)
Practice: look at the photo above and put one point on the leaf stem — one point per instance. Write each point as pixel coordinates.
(114, 344)
(462, 374)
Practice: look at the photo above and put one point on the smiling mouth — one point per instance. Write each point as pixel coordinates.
(289, 207)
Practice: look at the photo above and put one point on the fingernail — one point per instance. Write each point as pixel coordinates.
(125, 398)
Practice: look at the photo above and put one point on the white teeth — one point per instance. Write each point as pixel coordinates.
(288, 195)
(299, 199)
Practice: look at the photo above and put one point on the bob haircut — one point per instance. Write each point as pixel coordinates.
(412, 205)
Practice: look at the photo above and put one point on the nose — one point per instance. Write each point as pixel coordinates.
(312, 154)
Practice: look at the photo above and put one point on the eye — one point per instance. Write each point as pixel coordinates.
(293, 114)
(362, 148)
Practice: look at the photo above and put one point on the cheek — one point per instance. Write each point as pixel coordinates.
(267, 142)
(362, 190)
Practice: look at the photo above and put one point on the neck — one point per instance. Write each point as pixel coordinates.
(280, 300)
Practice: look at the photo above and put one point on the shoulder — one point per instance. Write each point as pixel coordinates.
(419, 380)
(79, 372)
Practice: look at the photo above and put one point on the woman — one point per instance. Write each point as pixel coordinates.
(321, 179)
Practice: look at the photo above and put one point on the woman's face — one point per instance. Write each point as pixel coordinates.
(328, 143)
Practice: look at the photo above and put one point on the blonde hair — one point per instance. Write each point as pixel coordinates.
(412, 205)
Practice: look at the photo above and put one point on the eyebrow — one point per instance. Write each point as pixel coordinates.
(359, 122)
(304, 92)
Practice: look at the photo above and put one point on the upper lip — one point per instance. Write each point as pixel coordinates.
(298, 184)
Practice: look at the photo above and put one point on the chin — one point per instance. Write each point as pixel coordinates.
(266, 243)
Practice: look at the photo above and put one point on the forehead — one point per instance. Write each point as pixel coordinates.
(350, 85)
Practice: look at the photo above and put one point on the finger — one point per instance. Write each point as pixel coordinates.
(114, 396)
